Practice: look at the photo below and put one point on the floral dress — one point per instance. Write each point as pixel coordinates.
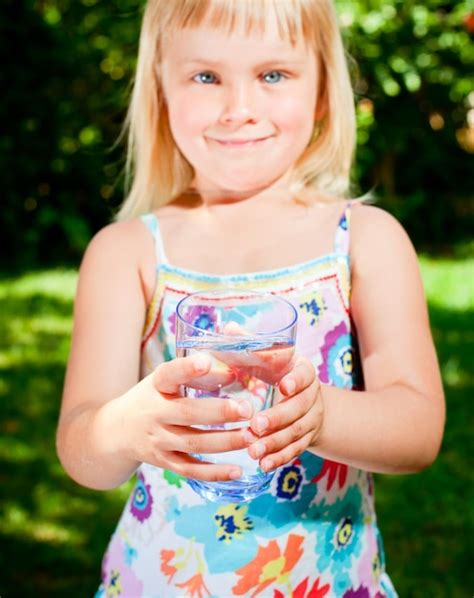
(313, 533)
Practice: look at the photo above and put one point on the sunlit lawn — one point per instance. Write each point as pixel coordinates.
(53, 532)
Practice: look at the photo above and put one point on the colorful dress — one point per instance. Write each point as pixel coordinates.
(313, 534)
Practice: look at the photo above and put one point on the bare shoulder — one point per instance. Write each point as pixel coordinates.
(126, 247)
(378, 240)
(120, 240)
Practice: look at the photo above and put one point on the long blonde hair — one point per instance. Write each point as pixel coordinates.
(156, 171)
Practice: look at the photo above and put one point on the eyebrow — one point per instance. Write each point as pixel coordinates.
(266, 63)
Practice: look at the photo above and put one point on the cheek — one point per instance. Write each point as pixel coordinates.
(189, 116)
(296, 114)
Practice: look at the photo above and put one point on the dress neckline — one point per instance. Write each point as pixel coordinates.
(272, 273)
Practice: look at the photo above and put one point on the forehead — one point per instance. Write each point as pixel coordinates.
(209, 45)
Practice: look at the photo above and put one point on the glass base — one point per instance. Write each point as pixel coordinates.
(242, 490)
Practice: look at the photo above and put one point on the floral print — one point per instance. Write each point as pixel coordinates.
(140, 505)
(313, 533)
(269, 566)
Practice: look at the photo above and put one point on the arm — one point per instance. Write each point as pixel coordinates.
(396, 424)
(111, 422)
(104, 360)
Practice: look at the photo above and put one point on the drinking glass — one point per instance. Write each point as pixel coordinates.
(250, 336)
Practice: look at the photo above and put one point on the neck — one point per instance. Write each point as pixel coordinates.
(277, 192)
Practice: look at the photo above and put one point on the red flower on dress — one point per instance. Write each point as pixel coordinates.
(300, 590)
(268, 566)
(194, 586)
(335, 470)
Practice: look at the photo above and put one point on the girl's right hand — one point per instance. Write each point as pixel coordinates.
(157, 420)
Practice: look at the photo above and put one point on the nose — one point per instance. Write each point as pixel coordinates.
(239, 105)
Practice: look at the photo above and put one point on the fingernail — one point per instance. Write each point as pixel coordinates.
(235, 474)
(262, 423)
(200, 362)
(290, 386)
(258, 450)
(267, 465)
(248, 436)
(245, 409)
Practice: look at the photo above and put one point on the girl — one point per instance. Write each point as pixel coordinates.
(241, 138)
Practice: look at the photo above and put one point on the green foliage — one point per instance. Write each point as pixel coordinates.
(414, 87)
(53, 533)
(66, 76)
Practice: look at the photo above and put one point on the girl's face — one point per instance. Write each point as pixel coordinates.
(241, 106)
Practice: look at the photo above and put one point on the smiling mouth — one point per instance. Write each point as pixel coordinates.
(241, 142)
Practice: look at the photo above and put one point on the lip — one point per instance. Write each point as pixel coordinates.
(241, 142)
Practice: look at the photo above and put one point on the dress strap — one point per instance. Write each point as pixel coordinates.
(342, 237)
(151, 222)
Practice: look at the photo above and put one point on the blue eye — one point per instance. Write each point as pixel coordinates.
(273, 76)
(205, 77)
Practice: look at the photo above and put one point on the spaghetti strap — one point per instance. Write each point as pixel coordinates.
(342, 237)
(151, 222)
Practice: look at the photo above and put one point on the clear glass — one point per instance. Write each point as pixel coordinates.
(252, 336)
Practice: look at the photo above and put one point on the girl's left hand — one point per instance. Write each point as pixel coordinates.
(281, 433)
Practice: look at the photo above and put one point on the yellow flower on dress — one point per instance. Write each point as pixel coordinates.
(232, 522)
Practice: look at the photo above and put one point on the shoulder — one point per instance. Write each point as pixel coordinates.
(125, 248)
(378, 240)
(119, 239)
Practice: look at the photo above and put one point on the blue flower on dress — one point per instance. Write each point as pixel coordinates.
(129, 554)
(286, 503)
(289, 481)
(339, 534)
(337, 358)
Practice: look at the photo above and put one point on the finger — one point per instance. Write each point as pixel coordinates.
(204, 411)
(284, 413)
(278, 441)
(287, 454)
(269, 364)
(215, 379)
(299, 378)
(171, 375)
(193, 440)
(190, 467)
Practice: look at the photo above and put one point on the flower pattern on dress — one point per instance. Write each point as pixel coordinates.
(231, 522)
(173, 479)
(118, 578)
(269, 566)
(219, 539)
(335, 471)
(314, 306)
(300, 590)
(194, 586)
(142, 500)
(289, 481)
(337, 353)
(369, 565)
(339, 539)
(278, 510)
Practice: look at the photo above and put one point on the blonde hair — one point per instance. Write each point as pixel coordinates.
(161, 173)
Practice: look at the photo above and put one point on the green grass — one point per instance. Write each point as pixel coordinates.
(53, 532)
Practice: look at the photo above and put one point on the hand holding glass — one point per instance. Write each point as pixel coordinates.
(253, 335)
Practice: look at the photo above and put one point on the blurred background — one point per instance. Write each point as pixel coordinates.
(67, 67)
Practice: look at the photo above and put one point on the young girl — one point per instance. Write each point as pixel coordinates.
(241, 138)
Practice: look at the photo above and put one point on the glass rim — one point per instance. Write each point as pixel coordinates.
(242, 293)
